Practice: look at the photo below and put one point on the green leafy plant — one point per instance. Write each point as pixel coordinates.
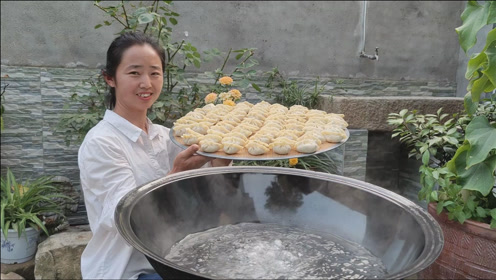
(321, 162)
(23, 204)
(292, 93)
(461, 181)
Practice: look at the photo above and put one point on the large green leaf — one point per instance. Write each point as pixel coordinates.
(474, 17)
(478, 60)
(470, 106)
(458, 163)
(482, 138)
(479, 177)
(490, 70)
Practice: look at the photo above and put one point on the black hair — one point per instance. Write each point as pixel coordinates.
(114, 56)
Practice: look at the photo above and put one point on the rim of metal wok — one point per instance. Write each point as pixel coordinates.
(429, 254)
(262, 157)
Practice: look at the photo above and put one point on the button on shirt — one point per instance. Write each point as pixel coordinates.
(114, 158)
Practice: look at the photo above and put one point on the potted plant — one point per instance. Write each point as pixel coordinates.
(21, 216)
(459, 160)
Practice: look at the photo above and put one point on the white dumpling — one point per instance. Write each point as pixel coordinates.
(282, 146)
(180, 129)
(306, 146)
(263, 137)
(256, 148)
(218, 129)
(231, 148)
(334, 134)
(209, 146)
(213, 137)
(233, 140)
(191, 137)
(244, 131)
(201, 127)
(236, 134)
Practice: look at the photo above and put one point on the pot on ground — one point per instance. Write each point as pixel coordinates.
(469, 250)
(19, 249)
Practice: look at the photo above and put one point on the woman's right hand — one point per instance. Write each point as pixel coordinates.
(188, 159)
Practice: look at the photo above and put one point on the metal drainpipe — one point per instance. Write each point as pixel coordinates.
(364, 25)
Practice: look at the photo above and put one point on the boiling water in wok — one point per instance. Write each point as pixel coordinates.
(297, 212)
(255, 251)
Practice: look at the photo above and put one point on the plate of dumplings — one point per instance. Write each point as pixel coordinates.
(260, 131)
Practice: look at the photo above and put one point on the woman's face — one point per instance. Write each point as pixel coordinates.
(138, 79)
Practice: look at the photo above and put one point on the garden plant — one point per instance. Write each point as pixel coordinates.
(459, 154)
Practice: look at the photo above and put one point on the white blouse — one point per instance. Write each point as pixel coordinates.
(114, 158)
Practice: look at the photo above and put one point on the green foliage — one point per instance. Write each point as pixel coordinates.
(481, 68)
(75, 126)
(23, 204)
(434, 133)
(292, 93)
(462, 185)
(459, 156)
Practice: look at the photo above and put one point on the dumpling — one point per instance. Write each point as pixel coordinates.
(231, 148)
(213, 137)
(242, 130)
(290, 134)
(334, 134)
(219, 129)
(233, 140)
(314, 133)
(252, 121)
(294, 126)
(248, 126)
(237, 135)
(195, 115)
(180, 129)
(191, 137)
(201, 127)
(282, 146)
(256, 148)
(337, 122)
(306, 146)
(209, 146)
(263, 136)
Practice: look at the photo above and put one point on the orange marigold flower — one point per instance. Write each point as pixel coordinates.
(293, 161)
(225, 80)
(236, 94)
(211, 97)
(229, 102)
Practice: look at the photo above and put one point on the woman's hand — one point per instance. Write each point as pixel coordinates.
(187, 160)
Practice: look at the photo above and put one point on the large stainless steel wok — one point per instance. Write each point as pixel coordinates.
(155, 216)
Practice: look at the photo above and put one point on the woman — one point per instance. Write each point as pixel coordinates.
(126, 150)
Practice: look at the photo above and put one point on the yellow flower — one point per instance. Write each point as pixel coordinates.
(235, 94)
(224, 96)
(22, 189)
(211, 97)
(229, 102)
(293, 161)
(225, 80)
